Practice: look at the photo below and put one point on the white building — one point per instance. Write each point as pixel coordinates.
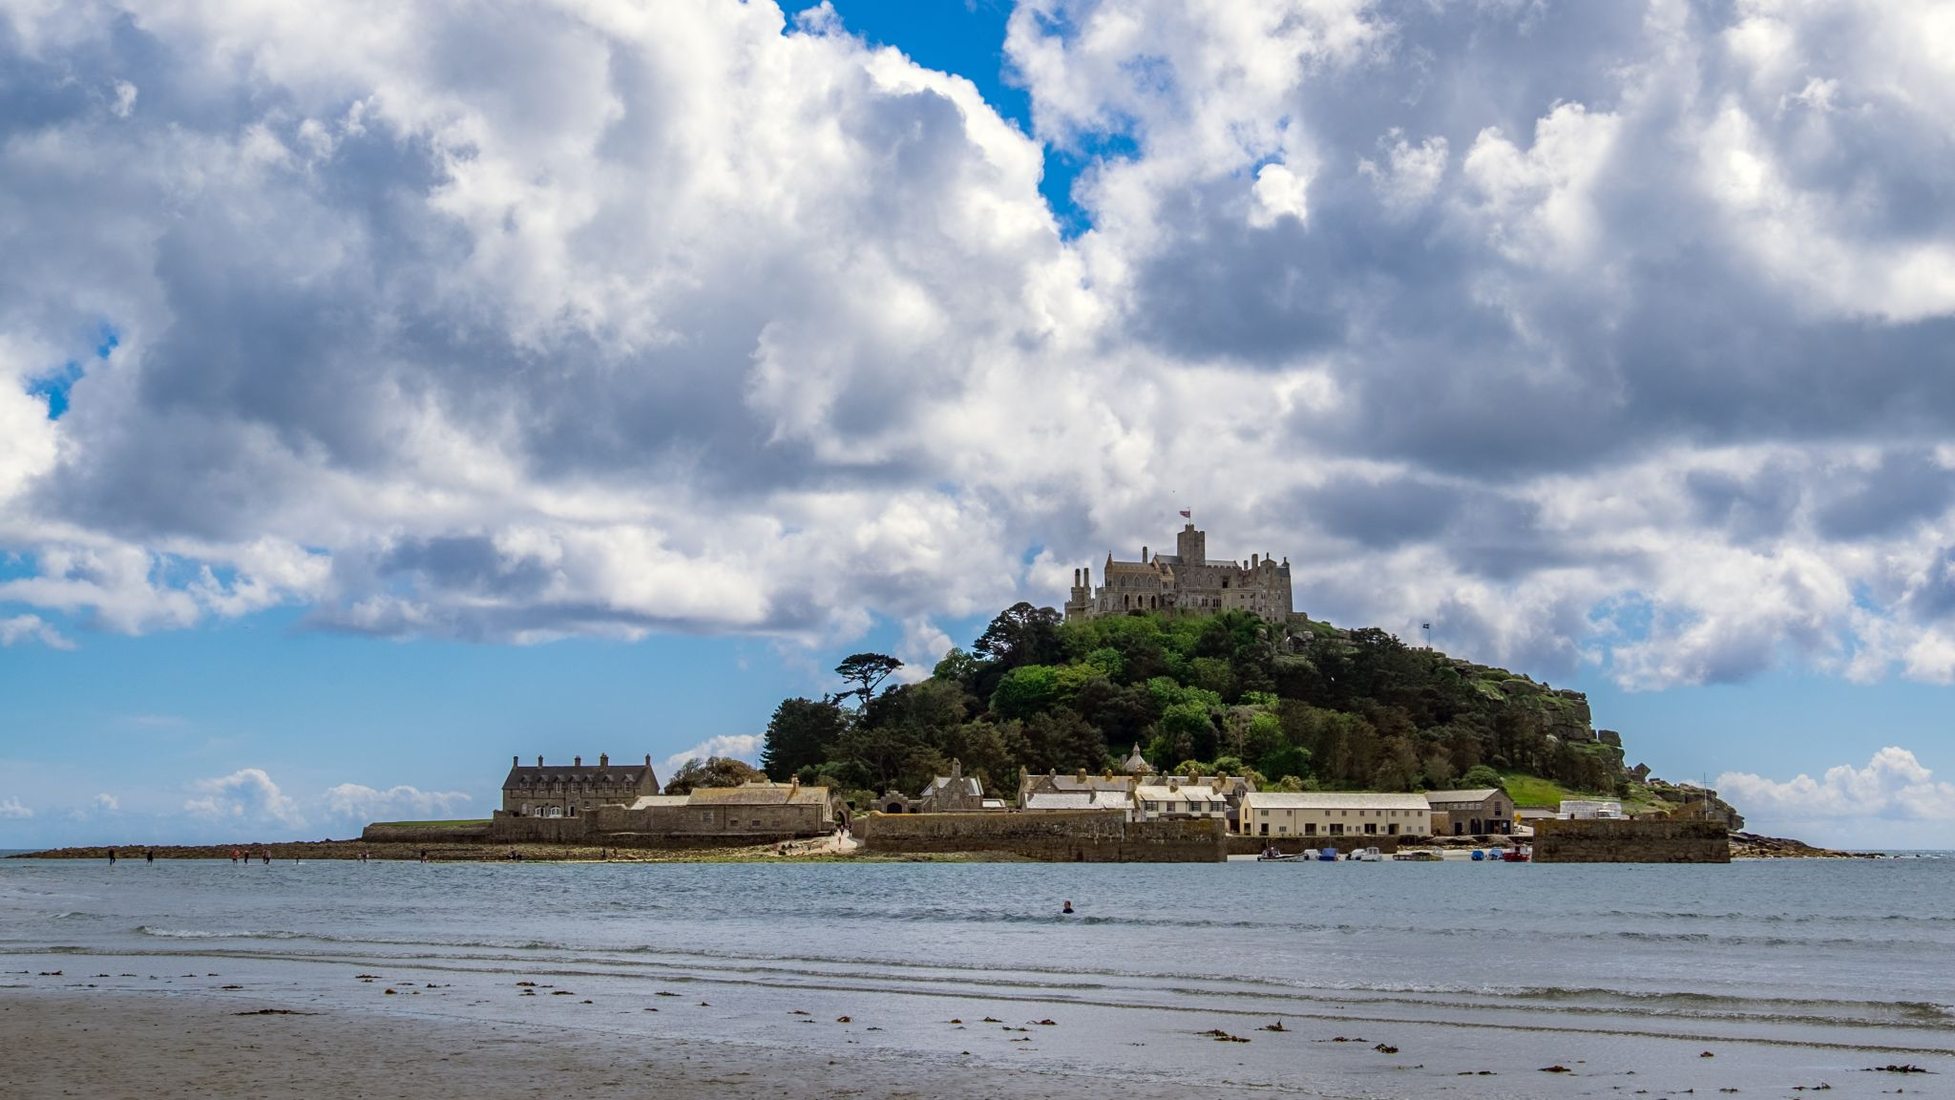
(1157, 799)
(1590, 809)
(1334, 813)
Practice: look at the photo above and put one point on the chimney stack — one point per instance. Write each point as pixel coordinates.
(539, 759)
(576, 761)
(604, 760)
(515, 761)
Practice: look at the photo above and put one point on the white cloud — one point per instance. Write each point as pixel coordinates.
(739, 746)
(1893, 785)
(12, 809)
(32, 628)
(354, 802)
(1556, 359)
(247, 795)
(107, 802)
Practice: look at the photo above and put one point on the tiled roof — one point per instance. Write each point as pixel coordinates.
(1480, 794)
(964, 783)
(772, 794)
(1333, 800)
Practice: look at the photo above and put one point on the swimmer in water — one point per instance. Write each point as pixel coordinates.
(1066, 909)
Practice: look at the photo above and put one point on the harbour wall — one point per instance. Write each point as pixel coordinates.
(1631, 841)
(1290, 845)
(1057, 836)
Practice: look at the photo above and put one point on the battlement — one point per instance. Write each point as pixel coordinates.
(1187, 582)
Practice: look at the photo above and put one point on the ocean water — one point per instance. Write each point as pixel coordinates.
(1795, 971)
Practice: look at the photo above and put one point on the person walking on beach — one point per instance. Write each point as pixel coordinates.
(111, 857)
(268, 857)
(234, 857)
(149, 855)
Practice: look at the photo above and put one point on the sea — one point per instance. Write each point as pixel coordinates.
(1760, 975)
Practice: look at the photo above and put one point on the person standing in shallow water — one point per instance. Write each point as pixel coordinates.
(111, 857)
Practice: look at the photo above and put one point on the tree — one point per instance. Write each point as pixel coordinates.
(714, 771)
(1025, 691)
(800, 735)
(1022, 635)
(1479, 775)
(866, 671)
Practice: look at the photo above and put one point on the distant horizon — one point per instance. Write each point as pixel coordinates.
(369, 412)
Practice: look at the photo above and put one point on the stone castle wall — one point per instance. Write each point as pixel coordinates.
(1064, 836)
(1640, 840)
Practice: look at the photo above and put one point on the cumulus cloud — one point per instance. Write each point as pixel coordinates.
(107, 803)
(1618, 358)
(1893, 785)
(18, 629)
(740, 746)
(11, 809)
(247, 795)
(354, 802)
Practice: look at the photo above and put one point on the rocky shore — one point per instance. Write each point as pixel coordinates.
(1753, 846)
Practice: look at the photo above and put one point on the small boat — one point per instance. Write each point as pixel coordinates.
(1327, 855)
(1271, 855)
(1417, 855)
(1521, 854)
(1478, 855)
(1368, 855)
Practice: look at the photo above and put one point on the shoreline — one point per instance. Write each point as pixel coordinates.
(1746, 847)
(108, 1044)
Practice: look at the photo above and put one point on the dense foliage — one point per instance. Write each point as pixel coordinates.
(1300, 705)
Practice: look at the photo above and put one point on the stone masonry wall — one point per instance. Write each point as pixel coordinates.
(1636, 841)
(1067, 836)
(1290, 845)
(408, 834)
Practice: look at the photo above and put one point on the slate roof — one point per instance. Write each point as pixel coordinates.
(1480, 794)
(968, 784)
(533, 775)
(648, 801)
(1076, 800)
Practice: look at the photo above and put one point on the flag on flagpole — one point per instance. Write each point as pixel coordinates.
(1186, 514)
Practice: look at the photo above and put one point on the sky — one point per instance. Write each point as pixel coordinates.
(389, 388)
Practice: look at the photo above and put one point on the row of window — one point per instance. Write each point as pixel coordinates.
(1336, 829)
(1360, 813)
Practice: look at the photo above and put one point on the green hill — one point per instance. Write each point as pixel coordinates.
(1301, 704)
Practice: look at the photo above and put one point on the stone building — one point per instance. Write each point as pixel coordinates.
(1160, 798)
(758, 810)
(1482, 811)
(1334, 813)
(570, 790)
(1079, 791)
(947, 794)
(1186, 582)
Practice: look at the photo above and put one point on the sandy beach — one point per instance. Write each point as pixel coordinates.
(166, 1046)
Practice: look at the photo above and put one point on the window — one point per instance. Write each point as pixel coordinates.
(1262, 813)
(1265, 829)
(1309, 828)
(1337, 828)
(1371, 828)
(1392, 829)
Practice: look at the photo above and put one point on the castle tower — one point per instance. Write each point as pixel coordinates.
(1191, 545)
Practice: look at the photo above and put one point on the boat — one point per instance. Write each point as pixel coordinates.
(1521, 854)
(1327, 855)
(1417, 855)
(1368, 855)
(1271, 855)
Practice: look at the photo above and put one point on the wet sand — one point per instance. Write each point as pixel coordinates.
(159, 1046)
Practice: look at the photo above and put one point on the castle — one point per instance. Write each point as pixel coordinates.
(1185, 582)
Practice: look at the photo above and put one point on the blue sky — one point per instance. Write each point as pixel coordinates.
(364, 422)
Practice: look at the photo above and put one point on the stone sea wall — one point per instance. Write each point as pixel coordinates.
(1637, 841)
(1290, 845)
(382, 833)
(1063, 836)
